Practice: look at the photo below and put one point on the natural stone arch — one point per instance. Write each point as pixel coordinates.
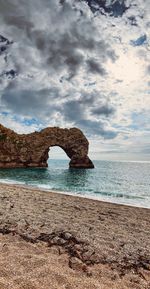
(31, 150)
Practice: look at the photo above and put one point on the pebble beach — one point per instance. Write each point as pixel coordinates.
(50, 240)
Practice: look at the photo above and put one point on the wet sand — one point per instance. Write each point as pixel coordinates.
(50, 240)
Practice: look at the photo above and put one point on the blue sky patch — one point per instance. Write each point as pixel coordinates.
(4, 113)
(139, 41)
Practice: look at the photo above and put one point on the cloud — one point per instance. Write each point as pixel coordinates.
(104, 109)
(31, 103)
(54, 45)
(92, 127)
(95, 67)
(76, 63)
(148, 69)
(78, 113)
(114, 8)
(46, 51)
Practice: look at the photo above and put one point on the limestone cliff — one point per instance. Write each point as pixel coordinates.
(31, 150)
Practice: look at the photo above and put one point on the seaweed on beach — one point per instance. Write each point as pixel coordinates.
(82, 253)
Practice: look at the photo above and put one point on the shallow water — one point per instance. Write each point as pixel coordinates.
(117, 182)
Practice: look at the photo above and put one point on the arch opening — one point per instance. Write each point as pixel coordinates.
(57, 153)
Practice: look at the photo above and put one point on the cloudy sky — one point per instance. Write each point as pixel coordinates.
(83, 63)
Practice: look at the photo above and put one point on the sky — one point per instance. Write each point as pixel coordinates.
(78, 63)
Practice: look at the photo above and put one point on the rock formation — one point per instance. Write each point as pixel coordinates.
(31, 150)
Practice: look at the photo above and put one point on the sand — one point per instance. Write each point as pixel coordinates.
(50, 240)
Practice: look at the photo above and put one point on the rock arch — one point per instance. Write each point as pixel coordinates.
(31, 150)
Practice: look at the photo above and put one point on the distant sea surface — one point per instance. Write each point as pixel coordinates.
(117, 182)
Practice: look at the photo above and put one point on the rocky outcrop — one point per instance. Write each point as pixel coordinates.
(31, 150)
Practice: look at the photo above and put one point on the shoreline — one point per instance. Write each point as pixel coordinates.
(80, 195)
(51, 236)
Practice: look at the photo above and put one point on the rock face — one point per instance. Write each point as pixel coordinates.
(31, 150)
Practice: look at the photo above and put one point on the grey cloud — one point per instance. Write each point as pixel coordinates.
(54, 41)
(10, 74)
(4, 44)
(73, 111)
(89, 98)
(29, 102)
(97, 103)
(145, 149)
(104, 109)
(63, 43)
(44, 103)
(148, 69)
(114, 8)
(96, 128)
(88, 103)
(68, 50)
(95, 67)
(76, 112)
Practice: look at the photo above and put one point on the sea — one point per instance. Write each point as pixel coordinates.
(112, 181)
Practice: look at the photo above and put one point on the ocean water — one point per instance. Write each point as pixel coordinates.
(117, 182)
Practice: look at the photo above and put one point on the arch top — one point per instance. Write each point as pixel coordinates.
(31, 150)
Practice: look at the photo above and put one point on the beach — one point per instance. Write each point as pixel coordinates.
(51, 240)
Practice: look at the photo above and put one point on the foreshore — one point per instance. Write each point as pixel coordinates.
(50, 240)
